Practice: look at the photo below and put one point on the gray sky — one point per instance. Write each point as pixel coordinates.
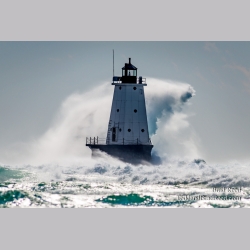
(35, 77)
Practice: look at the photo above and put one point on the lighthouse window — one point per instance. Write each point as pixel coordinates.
(134, 88)
(120, 87)
(142, 130)
(135, 110)
(117, 110)
(120, 129)
(129, 130)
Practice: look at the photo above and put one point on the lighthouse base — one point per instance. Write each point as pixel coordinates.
(128, 153)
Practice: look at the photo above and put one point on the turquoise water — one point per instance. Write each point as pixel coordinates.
(7, 173)
(137, 200)
(11, 195)
(105, 185)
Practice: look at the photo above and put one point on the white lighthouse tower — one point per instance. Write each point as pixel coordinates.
(127, 135)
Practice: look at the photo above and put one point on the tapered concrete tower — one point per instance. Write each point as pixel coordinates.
(127, 135)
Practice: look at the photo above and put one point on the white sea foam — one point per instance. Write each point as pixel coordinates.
(72, 178)
(62, 147)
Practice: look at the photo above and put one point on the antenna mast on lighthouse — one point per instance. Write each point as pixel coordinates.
(113, 63)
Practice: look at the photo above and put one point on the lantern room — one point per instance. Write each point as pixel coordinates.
(129, 73)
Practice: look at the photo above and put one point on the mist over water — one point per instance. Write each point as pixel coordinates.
(87, 114)
(60, 156)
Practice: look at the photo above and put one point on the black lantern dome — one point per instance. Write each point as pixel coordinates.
(129, 73)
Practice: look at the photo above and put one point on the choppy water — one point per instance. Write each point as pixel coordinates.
(173, 184)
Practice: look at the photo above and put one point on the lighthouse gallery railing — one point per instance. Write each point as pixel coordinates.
(118, 79)
(104, 141)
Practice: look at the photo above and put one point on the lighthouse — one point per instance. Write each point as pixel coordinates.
(127, 135)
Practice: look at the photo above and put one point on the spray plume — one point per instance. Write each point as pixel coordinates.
(84, 115)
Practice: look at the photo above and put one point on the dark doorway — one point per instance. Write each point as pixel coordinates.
(113, 134)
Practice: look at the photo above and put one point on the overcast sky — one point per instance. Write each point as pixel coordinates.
(35, 78)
